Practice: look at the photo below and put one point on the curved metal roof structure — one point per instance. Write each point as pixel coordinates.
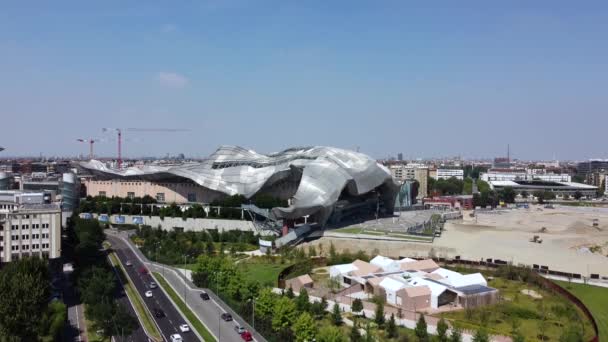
(323, 173)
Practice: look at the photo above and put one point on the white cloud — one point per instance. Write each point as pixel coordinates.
(173, 80)
(168, 28)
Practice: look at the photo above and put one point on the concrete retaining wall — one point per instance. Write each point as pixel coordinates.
(189, 224)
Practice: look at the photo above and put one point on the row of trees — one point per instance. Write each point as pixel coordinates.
(142, 206)
(443, 187)
(96, 281)
(169, 247)
(25, 311)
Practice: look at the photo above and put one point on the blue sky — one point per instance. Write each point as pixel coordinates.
(428, 79)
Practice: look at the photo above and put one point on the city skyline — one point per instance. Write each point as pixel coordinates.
(423, 80)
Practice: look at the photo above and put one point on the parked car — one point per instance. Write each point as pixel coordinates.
(176, 338)
(246, 336)
(158, 313)
(204, 296)
(128, 263)
(143, 270)
(184, 328)
(227, 317)
(148, 294)
(153, 285)
(239, 329)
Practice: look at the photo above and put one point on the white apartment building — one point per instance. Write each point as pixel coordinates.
(417, 172)
(449, 173)
(29, 230)
(522, 175)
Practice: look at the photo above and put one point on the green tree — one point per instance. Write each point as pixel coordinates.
(302, 301)
(283, 313)
(481, 336)
(336, 315)
(421, 329)
(304, 328)
(540, 196)
(442, 330)
(330, 334)
(355, 335)
(525, 194)
(96, 284)
(379, 314)
(289, 293)
(507, 194)
(456, 335)
(578, 195)
(391, 327)
(265, 303)
(369, 336)
(482, 186)
(357, 306)
(24, 289)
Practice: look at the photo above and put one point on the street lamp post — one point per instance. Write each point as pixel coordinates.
(252, 300)
(185, 263)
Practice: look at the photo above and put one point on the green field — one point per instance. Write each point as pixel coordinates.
(528, 313)
(359, 230)
(196, 323)
(350, 230)
(596, 300)
(266, 273)
(91, 334)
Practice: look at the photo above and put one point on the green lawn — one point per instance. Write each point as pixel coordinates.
(359, 230)
(596, 299)
(266, 273)
(559, 313)
(91, 334)
(350, 230)
(196, 323)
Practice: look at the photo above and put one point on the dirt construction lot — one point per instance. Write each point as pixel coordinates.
(571, 243)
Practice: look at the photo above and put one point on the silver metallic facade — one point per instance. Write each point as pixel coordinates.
(314, 178)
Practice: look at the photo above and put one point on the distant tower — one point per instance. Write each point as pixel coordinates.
(400, 156)
(509, 154)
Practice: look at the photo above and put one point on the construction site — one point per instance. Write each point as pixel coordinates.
(568, 239)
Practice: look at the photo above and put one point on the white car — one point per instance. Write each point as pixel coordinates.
(184, 328)
(176, 338)
(148, 294)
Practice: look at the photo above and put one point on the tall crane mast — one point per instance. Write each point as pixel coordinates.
(131, 129)
(91, 141)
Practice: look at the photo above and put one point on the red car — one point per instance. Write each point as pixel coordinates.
(246, 336)
(143, 270)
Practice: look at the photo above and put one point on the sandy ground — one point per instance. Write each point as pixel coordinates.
(505, 235)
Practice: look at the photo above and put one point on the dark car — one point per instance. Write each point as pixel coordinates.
(227, 317)
(158, 313)
(204, 296)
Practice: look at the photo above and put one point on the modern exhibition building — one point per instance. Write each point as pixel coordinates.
(323, 184)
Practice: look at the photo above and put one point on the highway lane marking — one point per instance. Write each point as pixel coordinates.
(180, 278)
(140, 276)
(78, 324)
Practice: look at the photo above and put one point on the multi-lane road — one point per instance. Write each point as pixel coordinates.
(169, 324)
(208, 311)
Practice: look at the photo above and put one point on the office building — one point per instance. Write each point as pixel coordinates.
(449, 173)
(30, 229)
